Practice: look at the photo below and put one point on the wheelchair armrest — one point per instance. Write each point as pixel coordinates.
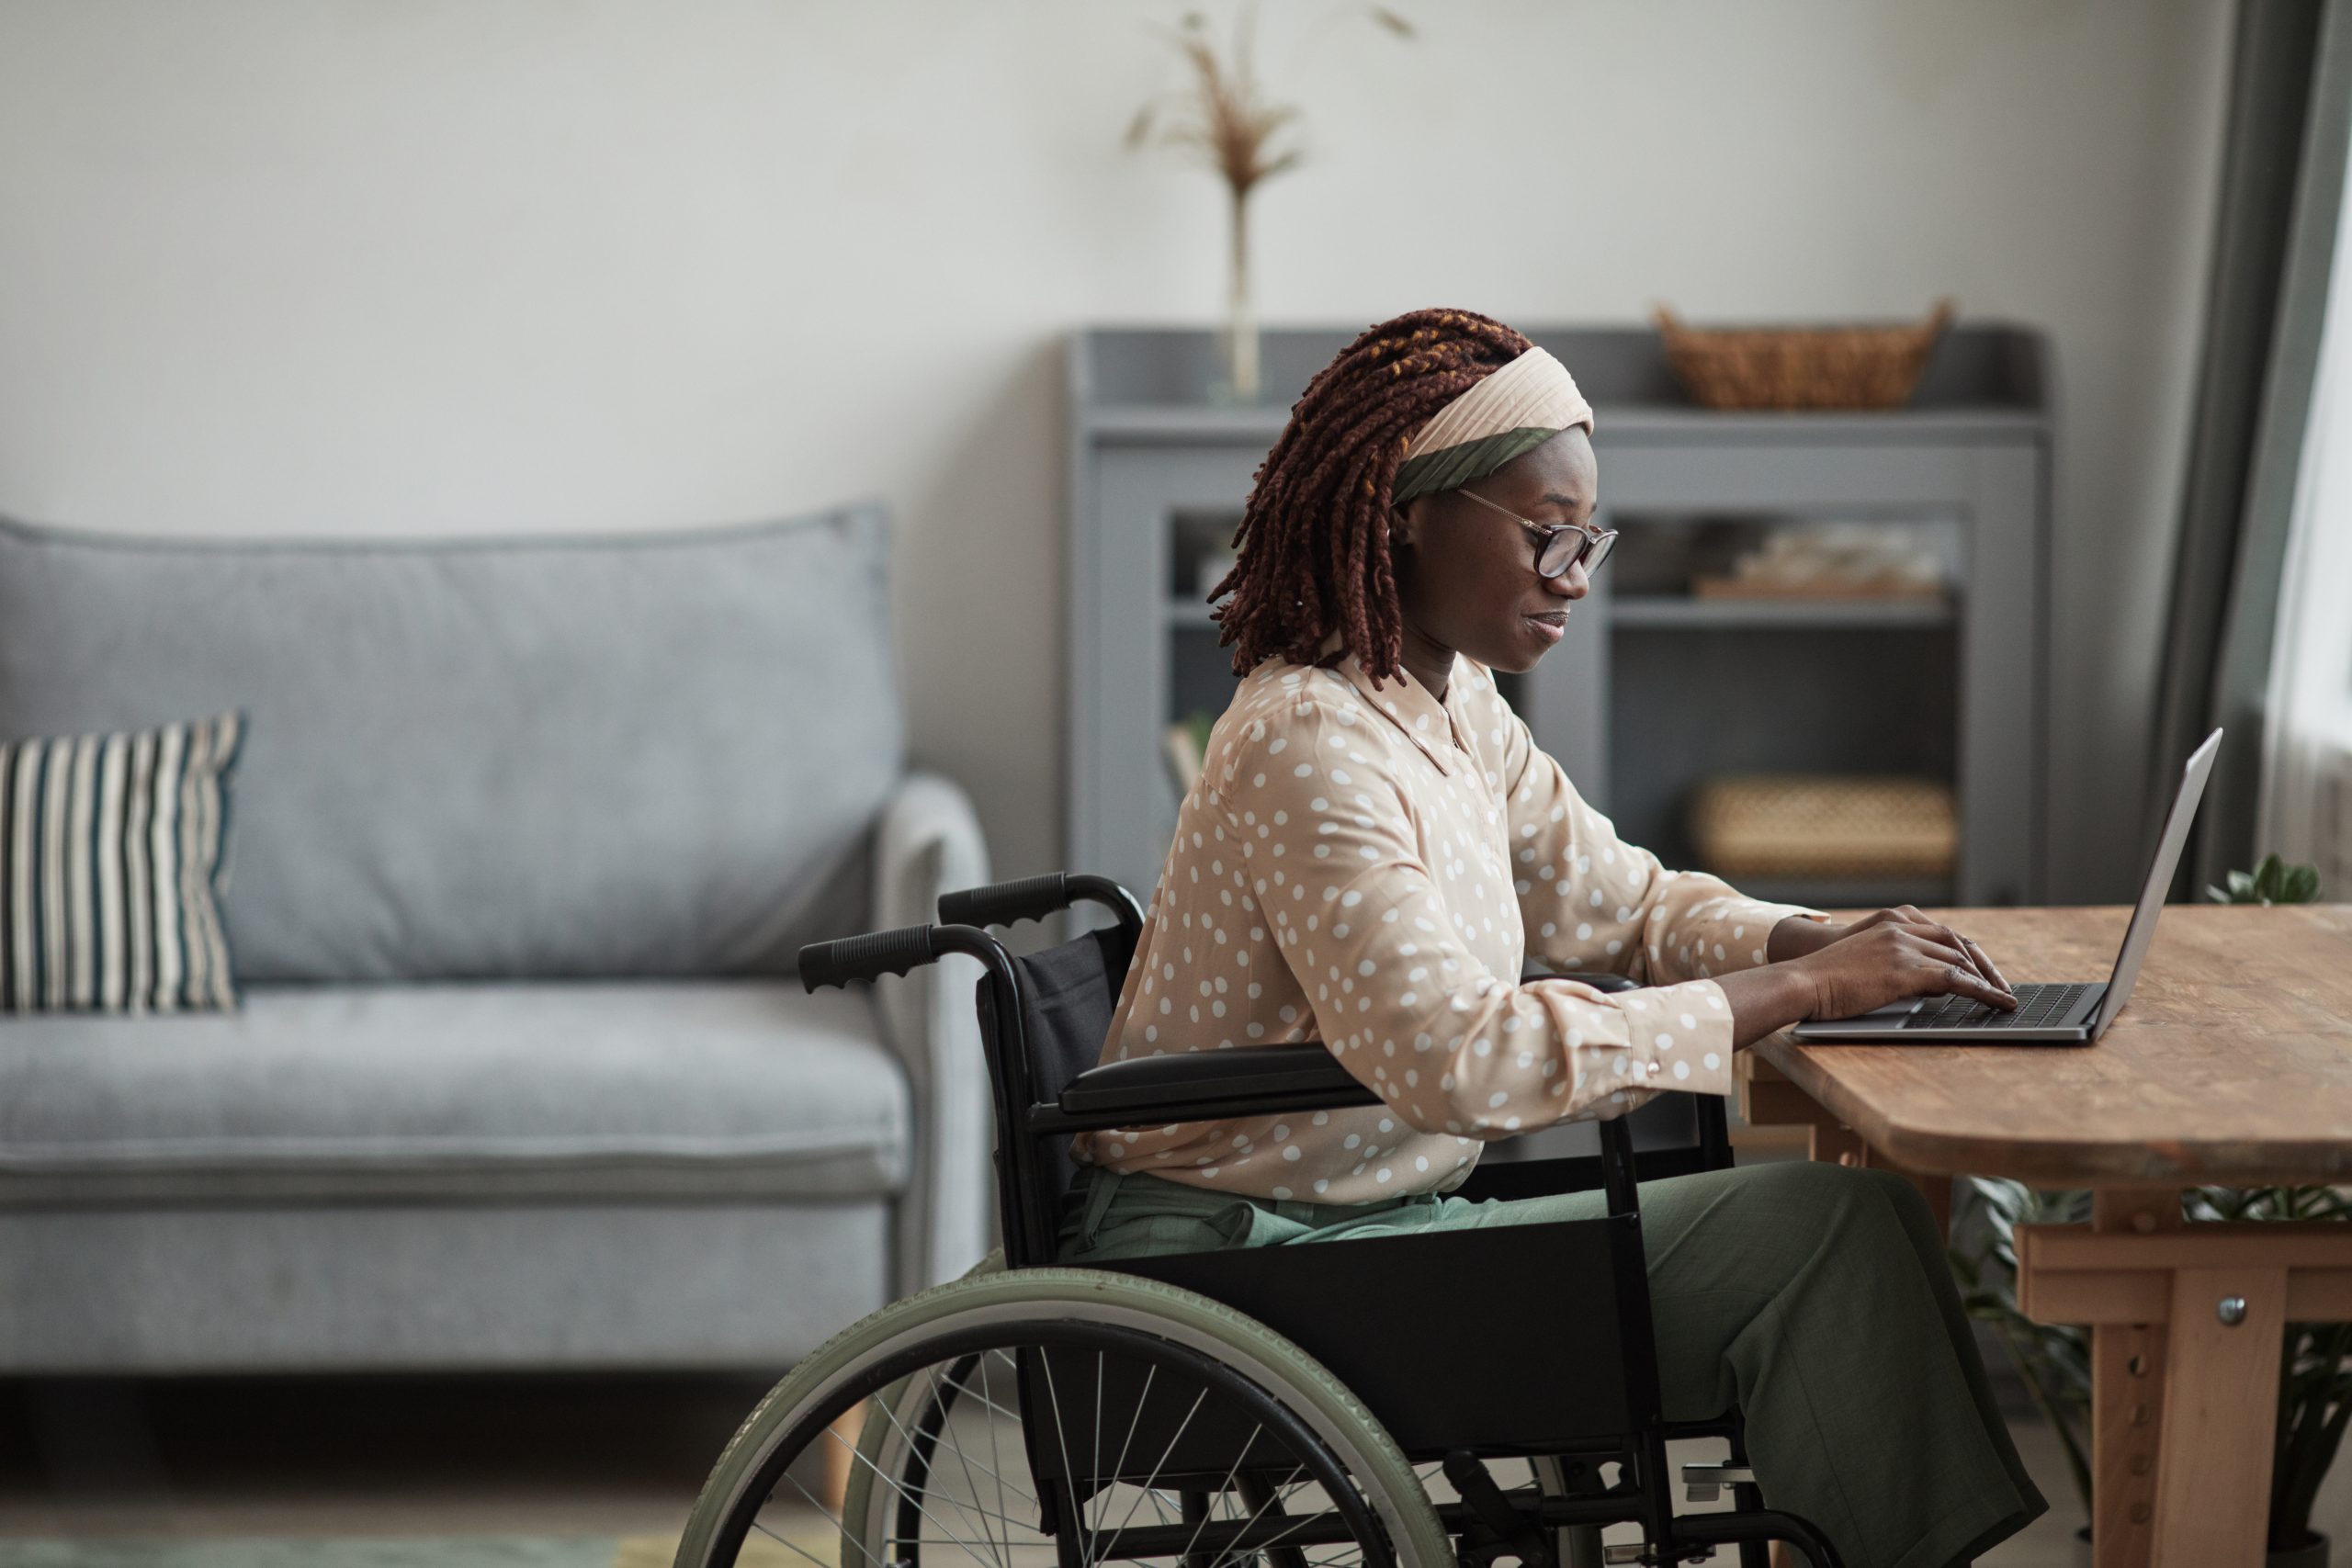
(1598, 980)
(1198, 1085)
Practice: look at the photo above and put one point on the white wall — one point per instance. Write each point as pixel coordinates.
(433, 266)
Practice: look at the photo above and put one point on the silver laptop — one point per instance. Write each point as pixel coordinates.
(2059, 1013)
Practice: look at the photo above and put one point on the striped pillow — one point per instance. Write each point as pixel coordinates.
(110, 870)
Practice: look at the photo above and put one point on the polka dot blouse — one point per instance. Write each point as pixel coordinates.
(1369, 867)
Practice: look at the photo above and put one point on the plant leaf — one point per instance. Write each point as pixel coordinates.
(2300, 885)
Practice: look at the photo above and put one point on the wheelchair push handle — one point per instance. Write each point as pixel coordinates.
(866, 957)
(1035, 898)
(1030, 898)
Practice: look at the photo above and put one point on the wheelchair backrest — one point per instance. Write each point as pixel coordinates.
(1068, 994)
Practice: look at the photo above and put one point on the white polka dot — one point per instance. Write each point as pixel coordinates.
(1682, 1069)
(1712, 1061)
(1665, 1042)
(1278, 746)
(1689, 1022)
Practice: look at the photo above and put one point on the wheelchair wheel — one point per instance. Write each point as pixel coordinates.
(1062, 1418)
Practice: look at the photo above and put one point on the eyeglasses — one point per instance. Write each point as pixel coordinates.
(1562, 546)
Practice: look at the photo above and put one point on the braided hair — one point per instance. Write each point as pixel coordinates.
(1313, 545)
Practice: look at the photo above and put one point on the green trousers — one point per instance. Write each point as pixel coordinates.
(1814, 1298)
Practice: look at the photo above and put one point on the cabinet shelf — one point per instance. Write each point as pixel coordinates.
(1846, 893)
(1653, 690)
(1792, 615)
(1672, 609)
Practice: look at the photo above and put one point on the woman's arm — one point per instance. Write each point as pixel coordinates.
(1589, 899)
(1767, 999)
(1376, 938)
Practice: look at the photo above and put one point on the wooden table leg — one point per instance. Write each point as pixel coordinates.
(840, 1456)
(1767, 1100)
(2221, 1404)
(2128, 1367)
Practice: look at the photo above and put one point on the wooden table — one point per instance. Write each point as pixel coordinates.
(2231, 1066)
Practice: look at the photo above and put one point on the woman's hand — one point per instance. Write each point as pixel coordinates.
(1819, 969)
(1894, 955)
(1796, 936)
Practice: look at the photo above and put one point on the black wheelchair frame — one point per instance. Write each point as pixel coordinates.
(1578, 1385)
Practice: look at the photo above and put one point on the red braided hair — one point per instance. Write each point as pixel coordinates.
(1313, 545)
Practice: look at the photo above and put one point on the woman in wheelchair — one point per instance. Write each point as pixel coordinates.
(1375, 847)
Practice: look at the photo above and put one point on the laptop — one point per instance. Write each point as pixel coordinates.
(2058, 1013)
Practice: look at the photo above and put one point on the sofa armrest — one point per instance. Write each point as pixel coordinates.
(927, 841)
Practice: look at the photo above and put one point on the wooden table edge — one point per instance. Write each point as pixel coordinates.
(2183, 1163)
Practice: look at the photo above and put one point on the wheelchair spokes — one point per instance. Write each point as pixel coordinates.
(1054, 1445)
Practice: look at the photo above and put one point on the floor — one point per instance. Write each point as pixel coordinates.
(443, 1458)
(503, 1456)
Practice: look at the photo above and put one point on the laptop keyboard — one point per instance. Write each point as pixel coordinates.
(2036, 1006)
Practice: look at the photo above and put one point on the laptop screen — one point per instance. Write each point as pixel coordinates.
(2143, 928)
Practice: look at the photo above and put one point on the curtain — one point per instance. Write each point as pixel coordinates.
(2282, 185)
(2305, 811)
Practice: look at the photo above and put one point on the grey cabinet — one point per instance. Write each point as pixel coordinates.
(1653, 690)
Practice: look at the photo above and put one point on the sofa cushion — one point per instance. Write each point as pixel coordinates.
(110, 867)
(489, 1092)
(650, 756)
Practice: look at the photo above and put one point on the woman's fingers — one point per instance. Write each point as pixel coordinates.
(1963, 981)
(1972, 957)
(1955, 970)
(1984, 966)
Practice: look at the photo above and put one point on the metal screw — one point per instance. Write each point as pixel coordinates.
(2232, 1311)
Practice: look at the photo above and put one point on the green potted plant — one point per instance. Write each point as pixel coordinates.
(2272, 882)
(2054, 1359)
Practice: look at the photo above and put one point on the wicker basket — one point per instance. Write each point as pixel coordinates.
(1819, 368)
(1814, 825)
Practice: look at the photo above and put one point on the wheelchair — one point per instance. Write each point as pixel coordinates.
(1341, 1403)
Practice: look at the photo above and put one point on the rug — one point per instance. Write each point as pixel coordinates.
(397, 1551)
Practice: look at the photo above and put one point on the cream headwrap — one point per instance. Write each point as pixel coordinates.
(1516, 410)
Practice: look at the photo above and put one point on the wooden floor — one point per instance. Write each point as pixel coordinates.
(479, 1457)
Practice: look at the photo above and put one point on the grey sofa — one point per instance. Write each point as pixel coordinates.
(524, 837)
